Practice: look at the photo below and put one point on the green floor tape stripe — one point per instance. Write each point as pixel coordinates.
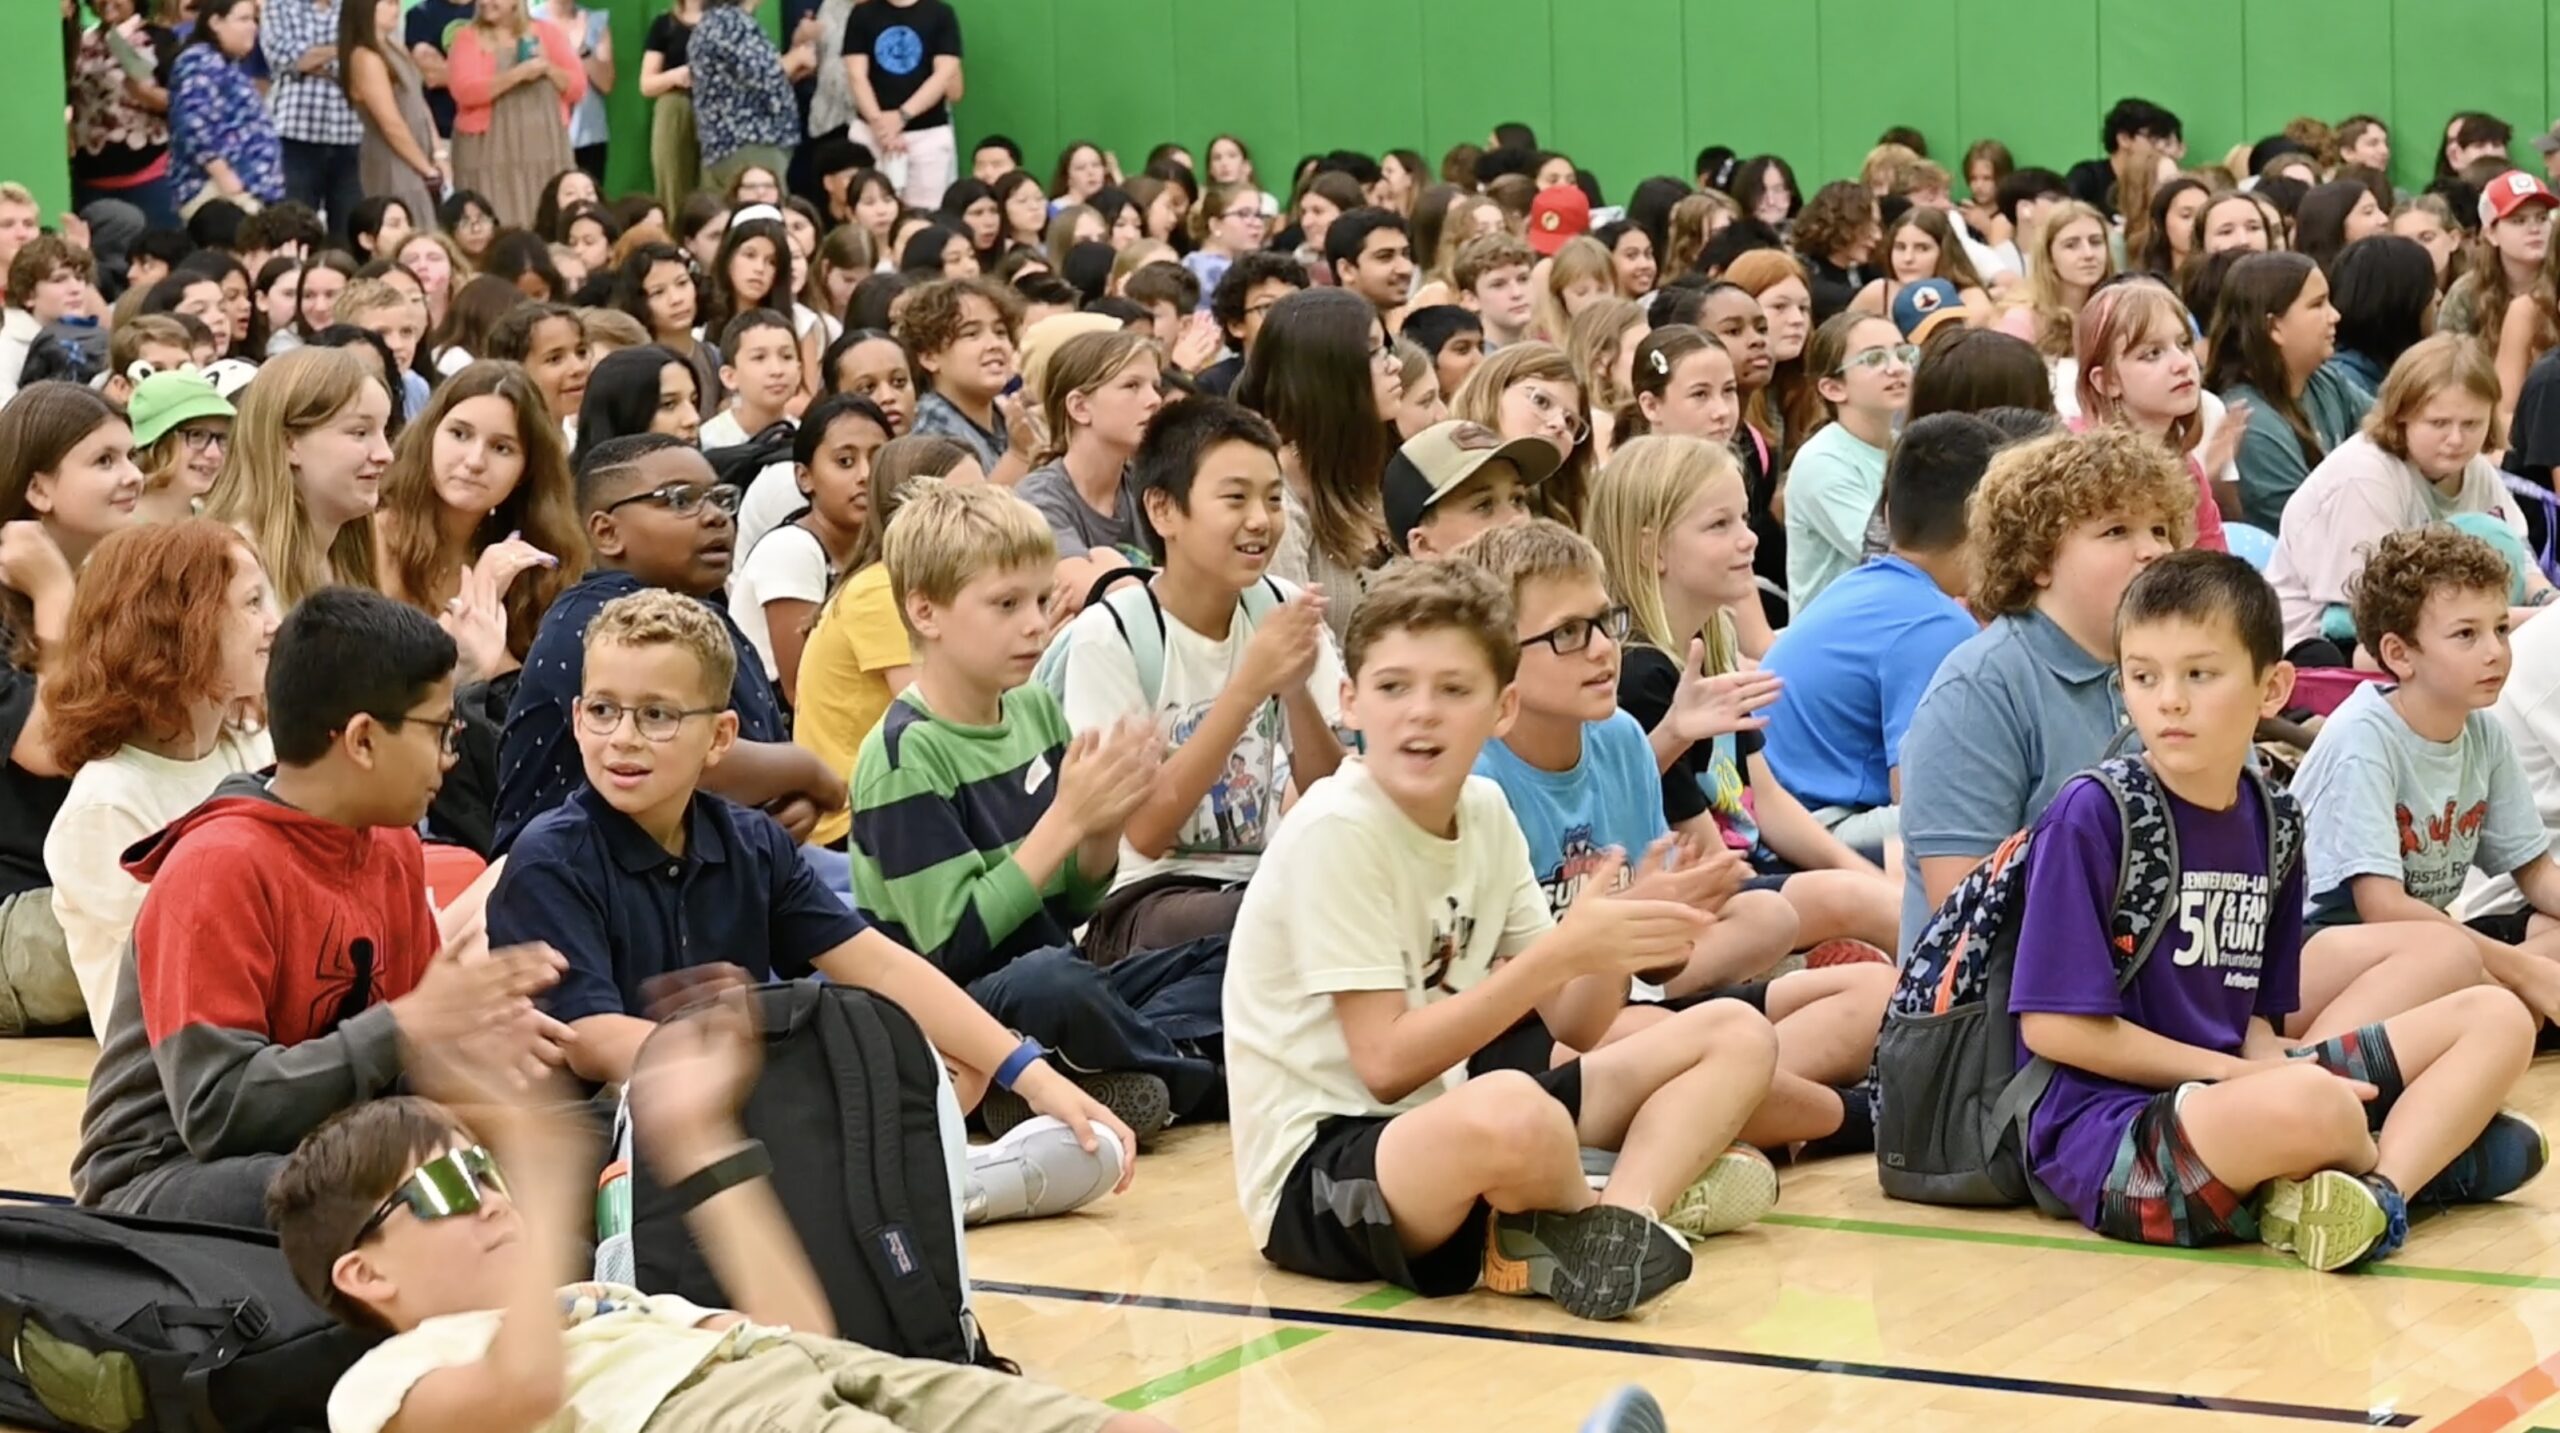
(1244, 1355)
(51, 1082)
(2237, 1257)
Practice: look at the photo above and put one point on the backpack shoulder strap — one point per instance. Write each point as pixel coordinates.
(1140, 618)
(2147, 862)
(1258, 601)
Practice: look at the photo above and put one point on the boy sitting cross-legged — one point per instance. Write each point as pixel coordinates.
(2178, 1114)
(1579, 776)
(1393, 930)
(285, 964)
(2411, 786)
(656, 518)
(1245, 702)
(642, 873)
(401, 1217)
(984, 833)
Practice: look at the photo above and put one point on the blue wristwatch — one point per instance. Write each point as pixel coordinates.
(1017, 1062)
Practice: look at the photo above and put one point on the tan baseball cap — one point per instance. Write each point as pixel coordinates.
(1434, 462)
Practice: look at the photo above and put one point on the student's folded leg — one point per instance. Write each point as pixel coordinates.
(1858, 905)
(2454, 1061)
(1671, 1098)
(1056, 997)
(1753, 932)
(1827, 1020)
(2354, 975)
(2196, 1153)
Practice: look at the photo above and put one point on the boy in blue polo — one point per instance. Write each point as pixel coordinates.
(641, 873)
(656, 517)
(1856, 662)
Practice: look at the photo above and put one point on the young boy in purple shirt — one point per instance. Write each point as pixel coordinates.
(2177, 1113)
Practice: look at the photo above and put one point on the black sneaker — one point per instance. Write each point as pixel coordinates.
(1602, 1263)
(1142, 1102)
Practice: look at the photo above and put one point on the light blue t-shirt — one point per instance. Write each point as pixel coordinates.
(1855, 664)
(1612, 797)
(2015, 711)
(2380, 800)
(1833, 485)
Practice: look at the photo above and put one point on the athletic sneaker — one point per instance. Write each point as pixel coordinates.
(1141, 1101)
(1629, 1410)
(2333, 1219)
(1736, 1190)
(1602, 1263)
(1039, 1169)
(2506, 1157)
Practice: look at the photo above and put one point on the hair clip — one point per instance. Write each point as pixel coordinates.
(1659, 363)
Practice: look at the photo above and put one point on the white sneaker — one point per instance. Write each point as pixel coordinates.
(1037, 1169)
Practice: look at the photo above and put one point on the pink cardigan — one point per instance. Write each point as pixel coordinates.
(474, 77)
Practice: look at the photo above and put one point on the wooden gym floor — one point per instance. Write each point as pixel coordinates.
(1842, 1311)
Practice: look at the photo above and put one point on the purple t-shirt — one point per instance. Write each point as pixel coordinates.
(2232, 949)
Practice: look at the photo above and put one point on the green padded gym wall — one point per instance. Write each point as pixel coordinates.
(32, 140)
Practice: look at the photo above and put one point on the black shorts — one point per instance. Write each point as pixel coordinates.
(2510, 927)
(1754, 993)
(1333, 1221)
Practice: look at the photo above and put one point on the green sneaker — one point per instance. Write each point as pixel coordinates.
(2329, 1221)
(1601, 1263)
(1739, 1187)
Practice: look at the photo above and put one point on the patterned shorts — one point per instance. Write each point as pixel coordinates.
(2159, 1191)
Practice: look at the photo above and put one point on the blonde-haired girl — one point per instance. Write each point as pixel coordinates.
(1528, 390)
(2067, 262)
(1670, 517)
(1601, 344)
(304, 473)
(1580, 275)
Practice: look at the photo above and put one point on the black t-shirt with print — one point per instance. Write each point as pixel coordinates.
(902, 42)
(1648, 678)
(28, 802)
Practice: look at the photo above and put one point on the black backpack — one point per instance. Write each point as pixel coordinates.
(738, 464)
(848, 1107)
(110, 1322)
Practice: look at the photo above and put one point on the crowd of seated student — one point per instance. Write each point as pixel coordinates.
(1735, 614)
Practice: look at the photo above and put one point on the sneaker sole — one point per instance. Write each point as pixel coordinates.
(2328, 1221)
(1844, 951)
(1142, 1102)
(1604, 1263)
(1737, 1189)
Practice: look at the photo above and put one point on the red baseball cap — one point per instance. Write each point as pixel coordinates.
(2511, 191)
(1557, 215)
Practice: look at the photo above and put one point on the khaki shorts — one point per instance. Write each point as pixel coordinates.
(37, 988)
(805, 1384)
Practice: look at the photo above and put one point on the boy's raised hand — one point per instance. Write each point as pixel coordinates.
(1674, 868)
(472, 1018)
(1106, 774)
(1622, 933)
(695, 1072)
(1282, 651)
(1704, 707)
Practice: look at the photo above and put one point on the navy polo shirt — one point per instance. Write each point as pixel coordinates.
(608, 897)
(538, 765)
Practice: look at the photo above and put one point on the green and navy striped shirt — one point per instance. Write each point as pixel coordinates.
(937, 811)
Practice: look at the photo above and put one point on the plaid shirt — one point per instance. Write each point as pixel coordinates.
(309, 108)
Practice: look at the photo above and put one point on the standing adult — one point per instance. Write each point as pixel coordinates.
(666, 79)
(224, 143)
(120, 79)
(398, 161)
(323, 138)
(903, 57)
(743, 107)
(515, 80)
(592, 29)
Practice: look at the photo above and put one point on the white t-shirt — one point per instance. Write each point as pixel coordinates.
(1354, 896)
(2528, 710)
(627, 1352)
(1229, 831)
(789, 563)
(115, 802)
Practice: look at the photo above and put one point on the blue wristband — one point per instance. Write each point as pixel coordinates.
(1017, 1062)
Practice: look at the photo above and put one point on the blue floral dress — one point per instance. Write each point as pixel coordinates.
(215, 113)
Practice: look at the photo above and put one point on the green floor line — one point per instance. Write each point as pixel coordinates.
(2236, 1257)
(51, 1082)
(1244, 1355)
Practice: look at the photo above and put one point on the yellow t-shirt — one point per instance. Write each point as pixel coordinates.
(843, 689)
(627, 1352)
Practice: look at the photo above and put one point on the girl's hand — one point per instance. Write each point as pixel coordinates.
(476, 619)
(504, 561)
(2216, 453)
(30, 563)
